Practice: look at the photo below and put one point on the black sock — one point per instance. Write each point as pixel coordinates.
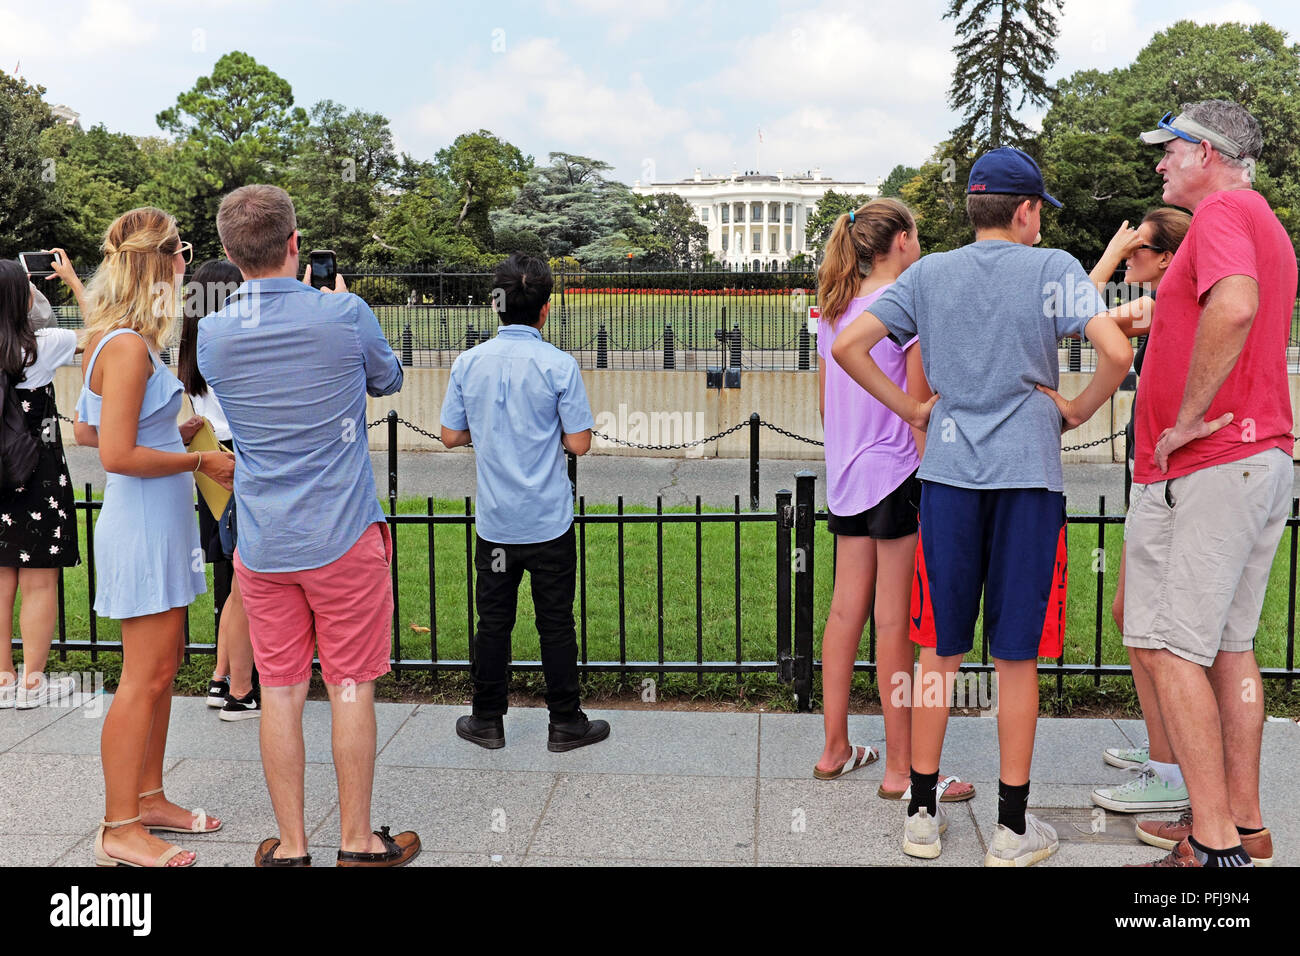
(1247, 831)
(1011, 806)
(923, 792)
(1233, 856)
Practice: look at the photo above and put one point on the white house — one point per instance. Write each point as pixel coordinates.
(756, 220)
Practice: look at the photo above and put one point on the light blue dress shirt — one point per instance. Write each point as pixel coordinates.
(516, 394)
(292, 367)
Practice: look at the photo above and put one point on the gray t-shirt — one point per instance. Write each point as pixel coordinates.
(989, 316)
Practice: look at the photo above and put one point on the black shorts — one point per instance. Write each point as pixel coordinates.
(894, 516)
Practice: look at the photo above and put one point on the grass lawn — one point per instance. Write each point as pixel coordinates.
(639, 637)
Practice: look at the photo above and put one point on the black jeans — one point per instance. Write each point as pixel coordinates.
(551, 567)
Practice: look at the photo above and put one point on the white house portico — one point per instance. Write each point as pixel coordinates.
(756, 221)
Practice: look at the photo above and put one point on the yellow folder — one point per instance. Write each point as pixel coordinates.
(214, 496)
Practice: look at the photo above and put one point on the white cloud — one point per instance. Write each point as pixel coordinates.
(835, 54)
(534, 92)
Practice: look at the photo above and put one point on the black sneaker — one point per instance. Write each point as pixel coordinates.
(218, 690)
(242, 708)
(578, 732)
(489, 732)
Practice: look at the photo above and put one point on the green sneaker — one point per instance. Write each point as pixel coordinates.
(1146, 792)
(1127, 758)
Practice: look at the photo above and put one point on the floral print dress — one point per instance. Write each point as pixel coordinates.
(38, 521)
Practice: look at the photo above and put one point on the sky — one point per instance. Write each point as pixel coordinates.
(654, 87)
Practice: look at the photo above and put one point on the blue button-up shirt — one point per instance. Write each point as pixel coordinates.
(291, 367)
(516, 394)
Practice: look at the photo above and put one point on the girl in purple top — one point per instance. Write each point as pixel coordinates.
(872, 492)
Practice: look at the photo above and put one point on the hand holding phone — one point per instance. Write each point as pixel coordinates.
(323, 268)
(39, 263)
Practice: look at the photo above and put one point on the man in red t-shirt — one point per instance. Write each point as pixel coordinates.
(1213, 479)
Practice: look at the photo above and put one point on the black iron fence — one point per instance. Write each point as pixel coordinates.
(793, 577)
(631, 319)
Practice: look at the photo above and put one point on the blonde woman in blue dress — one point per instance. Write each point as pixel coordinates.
(148, 563)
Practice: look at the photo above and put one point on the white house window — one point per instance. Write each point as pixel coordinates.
(726, 212)
(725, 237)
(758, 242)
(756, 212)
(773, 244)
(704, 214)
(740, 212)
(789, 212)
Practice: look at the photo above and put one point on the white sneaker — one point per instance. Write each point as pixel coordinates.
(45, 693)
(1011, 849)
(921, 833)
(8, 695)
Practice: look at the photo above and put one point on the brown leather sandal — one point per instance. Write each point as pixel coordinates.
(399, 850)
(266, 855)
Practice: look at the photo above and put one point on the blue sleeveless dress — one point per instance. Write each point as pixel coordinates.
(146, 539)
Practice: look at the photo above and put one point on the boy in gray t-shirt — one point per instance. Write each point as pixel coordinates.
(989, 316)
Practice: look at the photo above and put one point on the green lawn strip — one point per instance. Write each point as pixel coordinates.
(717, 629)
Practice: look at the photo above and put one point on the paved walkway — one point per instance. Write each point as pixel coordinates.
(668, 787)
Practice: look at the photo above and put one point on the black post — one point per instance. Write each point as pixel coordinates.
(805, 341)
(1075, 347)
(784, 521)
(602, 347)
(408, 350)
(734, 359)
(804, 525)
(392, 461)
(753, 461)
(471, 337)
(670, 351)
(573, 473)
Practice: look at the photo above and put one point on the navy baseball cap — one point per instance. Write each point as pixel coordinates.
(1010, 171)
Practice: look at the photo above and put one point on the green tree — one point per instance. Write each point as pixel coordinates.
(485, 172)
(342, 164)
(1094, 161)
(1005, 48)
(572, 209)
(830, 207)
(234, 128)
(27, 175)
(99, 174)
(417, 224)
(899, 176)
(937, 197)
(675, 238)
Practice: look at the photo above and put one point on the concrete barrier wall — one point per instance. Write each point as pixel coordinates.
(669, 408)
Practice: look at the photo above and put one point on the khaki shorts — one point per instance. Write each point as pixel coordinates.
(1198, 551)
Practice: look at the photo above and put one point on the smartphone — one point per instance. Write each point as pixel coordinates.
(39, 264)
(324, 267)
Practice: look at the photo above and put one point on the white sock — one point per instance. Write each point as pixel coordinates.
(1170, 773)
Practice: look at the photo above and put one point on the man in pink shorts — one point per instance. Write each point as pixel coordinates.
(291, 366)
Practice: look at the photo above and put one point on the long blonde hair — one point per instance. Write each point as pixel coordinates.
(135, 286)
(852, 248)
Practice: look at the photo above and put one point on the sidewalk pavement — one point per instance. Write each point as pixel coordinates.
(667, 787)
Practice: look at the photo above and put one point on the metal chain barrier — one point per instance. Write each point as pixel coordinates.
(1093, 444)
(781, 431)
(690, 444)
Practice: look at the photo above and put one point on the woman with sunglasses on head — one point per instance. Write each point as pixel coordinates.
(148, 563)
(1147, 252)
(38, 521)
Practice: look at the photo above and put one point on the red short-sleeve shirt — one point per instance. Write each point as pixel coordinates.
(1233, 232)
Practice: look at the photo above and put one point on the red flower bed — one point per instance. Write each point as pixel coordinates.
(613, 291)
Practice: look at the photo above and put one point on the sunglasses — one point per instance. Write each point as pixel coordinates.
(1152, 248)
(1166, 124)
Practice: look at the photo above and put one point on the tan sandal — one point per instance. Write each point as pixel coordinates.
(103, 859)
(943, 786)
(869, 756)
(200, 824)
